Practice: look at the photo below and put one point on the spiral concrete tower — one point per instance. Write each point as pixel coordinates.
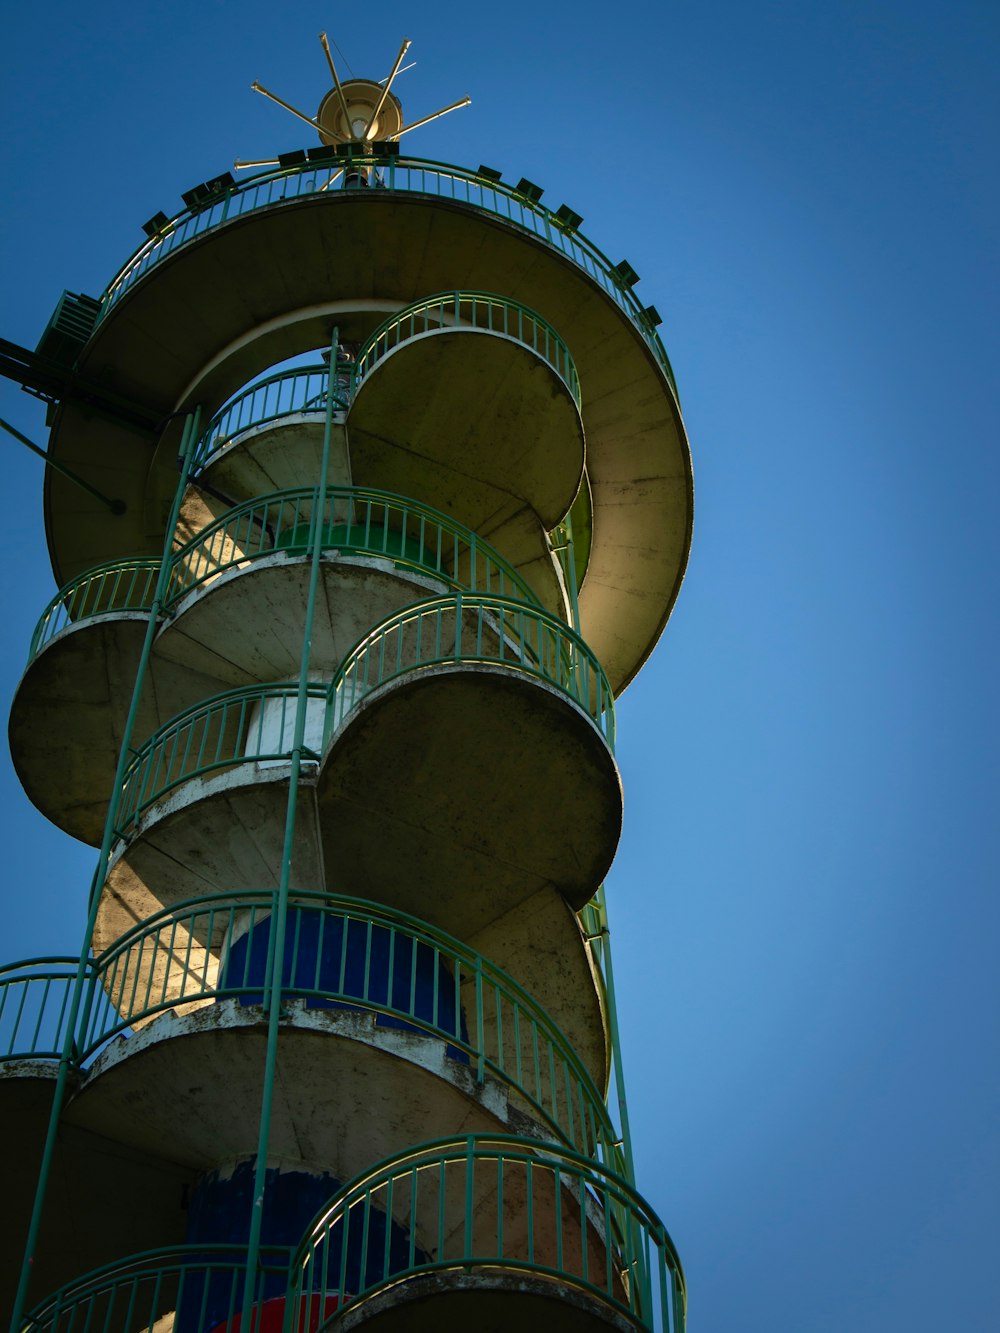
(374, 493)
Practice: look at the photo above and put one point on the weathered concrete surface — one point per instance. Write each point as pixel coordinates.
(470, 776)
(286, 453)
(220, 834)
(539, 943)
(278, 456)
(484, 1299)
(196, 304)
(245, 625)
(476, 424)
(224, 836)
(347, 1091)
(105, 1199)
(68, 716)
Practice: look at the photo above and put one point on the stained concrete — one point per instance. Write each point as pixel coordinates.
(225, 835)
(195, 308)
(347, 1091)
(68, 716)
(455, 773)
(476, 424)
(487, 1300)
(285, 454)
(244, 626)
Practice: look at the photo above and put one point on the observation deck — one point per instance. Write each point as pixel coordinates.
(333, 690)
(180, 325)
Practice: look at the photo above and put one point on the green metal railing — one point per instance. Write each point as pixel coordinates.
(197, 1288)
(354, 521)
(251, 724)
(282, 185)
(172, 959)
(34, 1008)
(122, 585)
(302, 389)
(502, 1206)
(447, 311)
(177, 958)
(474, 629)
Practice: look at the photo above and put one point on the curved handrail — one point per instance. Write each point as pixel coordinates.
(35, 999)
(204, 1282)
(405, 175)
(355, 520)
(301, 389)
(499, 1203)
(449, 630)
(229, 729)
(120, 585)
(485, 311)
(340, 951)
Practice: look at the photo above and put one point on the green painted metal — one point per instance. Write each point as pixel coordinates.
(463, 310)
(276, 937)
(80, 988)
(173, 958)
(35, 1000)
(563, 1219)
(143, 1292)
(122, 585)
(474, 630)
(115, 506)
(283, 186)
(594, 919)
(300, 390)
(354, 521)
(250, 724)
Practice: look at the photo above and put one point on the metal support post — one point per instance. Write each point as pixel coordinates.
(272, 991)
(68, 1057)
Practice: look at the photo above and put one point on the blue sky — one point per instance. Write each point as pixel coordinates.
(804, 903)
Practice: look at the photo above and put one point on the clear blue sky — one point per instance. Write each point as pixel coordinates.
(804, 903)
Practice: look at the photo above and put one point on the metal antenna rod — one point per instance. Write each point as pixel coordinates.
(116, 506)
(336, 81)
(239, 165)
(411, 65)
(385, 91)
(463, 101)
(259, 88)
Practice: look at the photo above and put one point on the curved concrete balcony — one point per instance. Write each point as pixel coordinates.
(225, 830)
(182, 328)
(476, 465)
(239, 588)
(128, 1198)
(470, 742)
(504, 1233)
(235, 614)
(472, 401)
(175, 1289)
(299, 394)
(384, 973)
(68, 716)
(482, 1231)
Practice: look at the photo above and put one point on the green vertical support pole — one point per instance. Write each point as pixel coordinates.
(609, 987)
(570, 567)
(272, 984)
(68, 1057)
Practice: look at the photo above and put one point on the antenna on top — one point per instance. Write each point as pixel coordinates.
(359, 111)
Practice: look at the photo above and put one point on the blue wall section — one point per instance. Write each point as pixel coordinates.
(319, 961)
(219, 1213)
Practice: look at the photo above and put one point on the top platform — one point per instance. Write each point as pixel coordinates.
(262, 271)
